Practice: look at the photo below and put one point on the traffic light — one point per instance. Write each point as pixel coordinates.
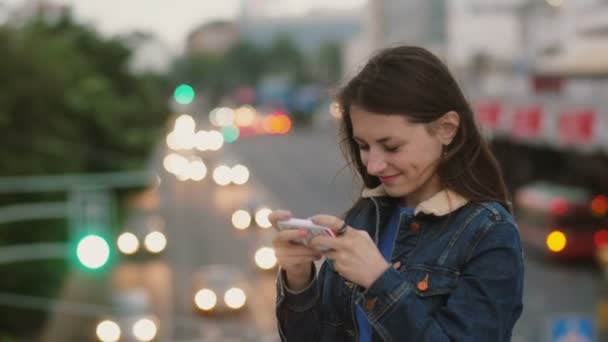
(93, 251)
(91, 219)
(184, 94)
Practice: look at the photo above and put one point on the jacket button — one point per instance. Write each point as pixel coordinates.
(415, 227)
(396, 265)
(371, 303)
(349, 284)
(423, 285)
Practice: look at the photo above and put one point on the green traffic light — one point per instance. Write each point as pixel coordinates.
(93, 251)
(230, 133)
(184, 94)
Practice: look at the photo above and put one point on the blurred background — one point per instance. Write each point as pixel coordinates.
(143, 144)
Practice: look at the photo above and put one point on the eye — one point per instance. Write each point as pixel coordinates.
(363, 147)
(392, 149)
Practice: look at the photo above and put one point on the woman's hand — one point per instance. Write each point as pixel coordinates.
(294, 259)
(354, 253)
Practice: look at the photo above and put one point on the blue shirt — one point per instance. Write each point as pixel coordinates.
(386, 244)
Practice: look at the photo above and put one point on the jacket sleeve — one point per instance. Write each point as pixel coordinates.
(298, 312)
(484, 306)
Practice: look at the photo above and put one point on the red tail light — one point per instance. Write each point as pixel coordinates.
(601, 238)
(599, 205)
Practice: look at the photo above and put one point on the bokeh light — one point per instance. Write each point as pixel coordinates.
(230, 133)
(556, 241)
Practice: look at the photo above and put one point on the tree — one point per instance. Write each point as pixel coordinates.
(284, 58)
(330, 62)
(69, 105)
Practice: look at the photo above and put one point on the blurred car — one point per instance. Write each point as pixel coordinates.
(253, 214)
(219, 289)
(226, 174)
(561, 222)
(144, 235)
(133, 321)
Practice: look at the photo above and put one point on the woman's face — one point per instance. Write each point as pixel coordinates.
(403, 155)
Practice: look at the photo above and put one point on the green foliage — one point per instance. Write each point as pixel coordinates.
(330, 62)
(284, 58)
(69, 104)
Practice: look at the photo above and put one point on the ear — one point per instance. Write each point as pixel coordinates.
(447, 126)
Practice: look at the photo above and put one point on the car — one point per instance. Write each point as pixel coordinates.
(132, 320)
(561, 222)
(144, 234)
(219, 290)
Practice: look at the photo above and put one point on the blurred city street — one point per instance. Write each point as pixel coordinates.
(302, 172)
(144, 144)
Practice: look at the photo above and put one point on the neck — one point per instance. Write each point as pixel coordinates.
(427, 190)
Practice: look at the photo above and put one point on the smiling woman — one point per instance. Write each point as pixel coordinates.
(430, 251)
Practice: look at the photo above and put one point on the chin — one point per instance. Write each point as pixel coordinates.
(397, 191)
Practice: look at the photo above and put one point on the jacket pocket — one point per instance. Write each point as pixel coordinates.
(432, 284)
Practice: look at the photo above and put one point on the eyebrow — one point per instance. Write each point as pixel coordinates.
(381, 140)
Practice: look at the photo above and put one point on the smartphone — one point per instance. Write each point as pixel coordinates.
(312, 228)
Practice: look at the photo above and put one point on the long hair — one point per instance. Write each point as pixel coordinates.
(412, 82)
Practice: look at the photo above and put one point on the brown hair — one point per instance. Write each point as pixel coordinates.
(412, 82)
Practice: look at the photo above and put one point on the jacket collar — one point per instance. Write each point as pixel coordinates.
(442, 203)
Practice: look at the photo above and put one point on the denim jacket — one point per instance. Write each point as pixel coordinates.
(457, 275)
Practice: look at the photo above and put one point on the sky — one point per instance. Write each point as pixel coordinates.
(171, 20)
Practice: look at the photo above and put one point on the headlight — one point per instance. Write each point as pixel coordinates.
(128, 243)
(222, 175)
(261, 218)
(235, 298)
(144, 330)
(265, 258)
(198, 170)
(155, 242)
(241, 219)
(108, 331)
(240, 174)
(205, 299)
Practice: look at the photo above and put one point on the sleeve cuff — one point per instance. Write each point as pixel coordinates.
(299, 300)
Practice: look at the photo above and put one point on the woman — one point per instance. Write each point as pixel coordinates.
(430, 252)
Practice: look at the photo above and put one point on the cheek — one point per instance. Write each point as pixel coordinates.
(363, 156)
(419, 162)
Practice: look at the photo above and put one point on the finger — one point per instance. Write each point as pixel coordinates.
(287, 235)
(287, 262)
(325, 242)
(295, 252)
(331, 254)
(332, 222)
(279, 215)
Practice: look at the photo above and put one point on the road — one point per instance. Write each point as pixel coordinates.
(305, 173)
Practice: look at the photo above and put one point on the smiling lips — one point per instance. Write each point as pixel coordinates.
(388, 179)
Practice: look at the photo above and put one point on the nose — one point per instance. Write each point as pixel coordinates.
(375, 164)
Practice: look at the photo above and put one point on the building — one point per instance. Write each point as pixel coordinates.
(213, 38)
(150, 54)
(577, 42)
(308, 32)
(393, 22)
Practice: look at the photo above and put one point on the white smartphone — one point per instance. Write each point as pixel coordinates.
(312, 228)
